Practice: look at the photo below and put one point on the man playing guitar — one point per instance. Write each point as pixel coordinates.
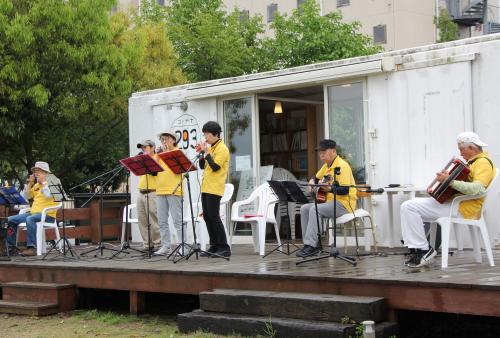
(346, 199)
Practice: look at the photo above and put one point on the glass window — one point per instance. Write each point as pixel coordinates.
(380, 34)
(244, 15)
(345, 116)
(341, 3)
(271, 12)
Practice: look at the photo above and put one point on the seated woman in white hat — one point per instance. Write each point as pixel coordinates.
(37, 189)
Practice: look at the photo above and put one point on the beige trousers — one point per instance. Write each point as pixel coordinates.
(142, 216)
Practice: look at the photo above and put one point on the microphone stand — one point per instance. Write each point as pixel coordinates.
(195, 248)
(334, 252)
(126, 244)
(100, 245)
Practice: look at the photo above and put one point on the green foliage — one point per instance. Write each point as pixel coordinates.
(211, 43)
(307, 37)
(448, 30)
(153, 61)
(67, 69)
(269, 331)
(105, 317)
(150, 12)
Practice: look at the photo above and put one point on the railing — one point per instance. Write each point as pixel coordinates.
(86, 220)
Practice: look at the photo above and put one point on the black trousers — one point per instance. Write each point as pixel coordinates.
(211, 206)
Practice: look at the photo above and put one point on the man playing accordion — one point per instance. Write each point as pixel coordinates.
(414, 211)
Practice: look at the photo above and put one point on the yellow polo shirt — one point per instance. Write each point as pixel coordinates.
(40, 201)
(151, 182)
(481, 171)
(167, 180)
(214, 181)
(345, 178)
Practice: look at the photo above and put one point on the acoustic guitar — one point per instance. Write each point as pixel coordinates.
(323, 191)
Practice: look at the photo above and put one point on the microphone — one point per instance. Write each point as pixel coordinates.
(199, 151)
(374, 191)
(140, 152)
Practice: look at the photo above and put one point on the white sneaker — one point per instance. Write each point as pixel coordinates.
(164, 250)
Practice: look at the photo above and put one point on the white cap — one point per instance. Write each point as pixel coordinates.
(470, 137)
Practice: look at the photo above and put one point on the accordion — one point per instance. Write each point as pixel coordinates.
(442, 191)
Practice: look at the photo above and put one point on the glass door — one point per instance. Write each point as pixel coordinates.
(239, 136)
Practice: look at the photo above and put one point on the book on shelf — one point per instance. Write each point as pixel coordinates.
(279, 142)
(299, 140)
(265, 143)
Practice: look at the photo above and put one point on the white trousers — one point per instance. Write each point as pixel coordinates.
(414, 213)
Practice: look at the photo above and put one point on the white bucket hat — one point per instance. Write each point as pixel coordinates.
(169, 132)
(470, 137)
(41, 165)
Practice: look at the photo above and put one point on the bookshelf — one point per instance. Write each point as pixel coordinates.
(285, 141)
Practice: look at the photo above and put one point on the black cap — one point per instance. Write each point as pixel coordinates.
(327, 144)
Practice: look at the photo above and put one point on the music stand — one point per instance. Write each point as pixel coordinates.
(287, 191)
(139, 165)
(10, 196)
(59, 195)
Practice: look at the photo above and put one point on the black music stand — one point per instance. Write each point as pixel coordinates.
(59, 195)
(334, 252)
(10, 196)
(139, 165)
(287, 191)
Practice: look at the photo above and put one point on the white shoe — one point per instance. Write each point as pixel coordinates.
(164, 250)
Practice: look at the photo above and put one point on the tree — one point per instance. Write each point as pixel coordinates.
(67, 69)
(211, 43)
(307, 37)
(153, 62)
(448, 30)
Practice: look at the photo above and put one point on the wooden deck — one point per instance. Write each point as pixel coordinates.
(465, 287)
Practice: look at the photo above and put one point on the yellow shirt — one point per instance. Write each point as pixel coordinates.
(481, 171)
(40, 201)
(345, 178)
(167, 181)
(150, 184)
(214, 181)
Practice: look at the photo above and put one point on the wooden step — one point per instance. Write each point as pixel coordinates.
(248, 325)
(64, 295)
(28, 308)
(307, 306)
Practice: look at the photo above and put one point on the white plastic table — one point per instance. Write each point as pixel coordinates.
(410, 190)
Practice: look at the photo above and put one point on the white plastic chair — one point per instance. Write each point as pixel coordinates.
(201, 228)
(264, 214)
(358, 215)
(134, 223)
(474, 225)
(41, 246)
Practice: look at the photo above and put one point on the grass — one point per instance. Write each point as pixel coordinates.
(93, 323)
